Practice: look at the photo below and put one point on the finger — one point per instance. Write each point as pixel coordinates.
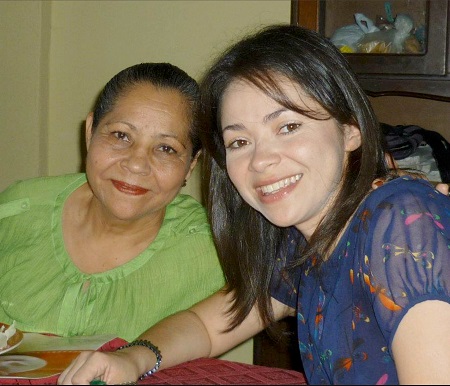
(74, 373)
(65, 376)
(377, 183)
(442, 188)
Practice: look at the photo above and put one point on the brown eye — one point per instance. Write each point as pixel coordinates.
(167, 149)
(289, 128)
(121, 135)
(237, 143)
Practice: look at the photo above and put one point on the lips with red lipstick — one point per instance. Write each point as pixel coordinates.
(134, 190)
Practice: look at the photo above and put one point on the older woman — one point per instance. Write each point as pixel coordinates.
(116, 249)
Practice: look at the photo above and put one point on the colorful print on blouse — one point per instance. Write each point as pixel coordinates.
(394, 254)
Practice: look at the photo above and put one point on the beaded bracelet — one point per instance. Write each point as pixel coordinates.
(153, 348)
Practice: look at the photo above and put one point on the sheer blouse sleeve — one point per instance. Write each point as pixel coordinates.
(405, 258)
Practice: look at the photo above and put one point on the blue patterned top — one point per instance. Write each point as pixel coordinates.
(394, 254)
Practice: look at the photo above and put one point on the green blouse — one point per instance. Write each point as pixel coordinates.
(43, 291)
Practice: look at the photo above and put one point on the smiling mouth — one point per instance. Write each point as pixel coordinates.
(277, 186)
(129, 189)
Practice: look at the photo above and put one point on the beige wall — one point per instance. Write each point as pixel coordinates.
(57, 55)
(24, 47)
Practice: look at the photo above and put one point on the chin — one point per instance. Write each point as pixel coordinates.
(125, 214)
(280, 222)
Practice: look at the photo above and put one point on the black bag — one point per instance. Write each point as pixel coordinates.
(403, 140)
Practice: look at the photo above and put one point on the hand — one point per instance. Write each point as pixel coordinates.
(110, 367)
(443, 188)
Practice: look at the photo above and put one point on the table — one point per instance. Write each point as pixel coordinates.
(211, 371)
(204, 371)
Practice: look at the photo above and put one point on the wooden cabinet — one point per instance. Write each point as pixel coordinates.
(425, 74)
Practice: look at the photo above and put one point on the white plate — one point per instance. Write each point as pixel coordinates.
(15, 340)
(13, 364)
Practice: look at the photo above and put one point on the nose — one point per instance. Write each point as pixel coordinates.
(263, 156)
(137, 161)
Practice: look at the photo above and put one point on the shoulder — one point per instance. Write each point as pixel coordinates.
(403, 185)
(401, 209)
(186, 215)
(405, 192)
(40, 187)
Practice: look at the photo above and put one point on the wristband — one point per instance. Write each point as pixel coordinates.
(153, 348)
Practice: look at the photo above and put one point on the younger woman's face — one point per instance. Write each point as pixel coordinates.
(284, 164)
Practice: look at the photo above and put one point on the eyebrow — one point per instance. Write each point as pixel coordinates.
(130, 125)
(266, 119)
(274, 115)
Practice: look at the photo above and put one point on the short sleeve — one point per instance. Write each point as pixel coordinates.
(284, 282)
(407, 251)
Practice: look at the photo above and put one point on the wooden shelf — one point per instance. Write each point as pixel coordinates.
(421, 76)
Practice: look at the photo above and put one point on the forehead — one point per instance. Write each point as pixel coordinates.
(240, 95)
(145, 101)
(149, 94)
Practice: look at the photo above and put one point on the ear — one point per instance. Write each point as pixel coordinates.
(88, 133)
(352, 137)
(193, 164)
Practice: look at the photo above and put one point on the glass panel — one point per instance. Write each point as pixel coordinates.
(397, 27)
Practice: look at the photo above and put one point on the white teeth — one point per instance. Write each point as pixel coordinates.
(273, 188)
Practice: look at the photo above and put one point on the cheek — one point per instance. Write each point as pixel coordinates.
(236, 172)
(98, 159)
(233, 172)
(325, 160)
(332, 166)
(169, 176)
(172, 172)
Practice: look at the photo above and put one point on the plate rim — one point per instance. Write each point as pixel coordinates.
(18, 332)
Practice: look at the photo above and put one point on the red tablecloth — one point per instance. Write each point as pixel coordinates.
(209, 371)
(205, 371)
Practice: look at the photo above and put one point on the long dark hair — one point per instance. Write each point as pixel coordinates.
(162, 75)
(247, 242)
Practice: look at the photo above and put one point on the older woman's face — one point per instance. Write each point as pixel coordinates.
(140, 153)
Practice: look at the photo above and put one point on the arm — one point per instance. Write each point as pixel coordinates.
(421, 346)
(184, 336)
(414, 268)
